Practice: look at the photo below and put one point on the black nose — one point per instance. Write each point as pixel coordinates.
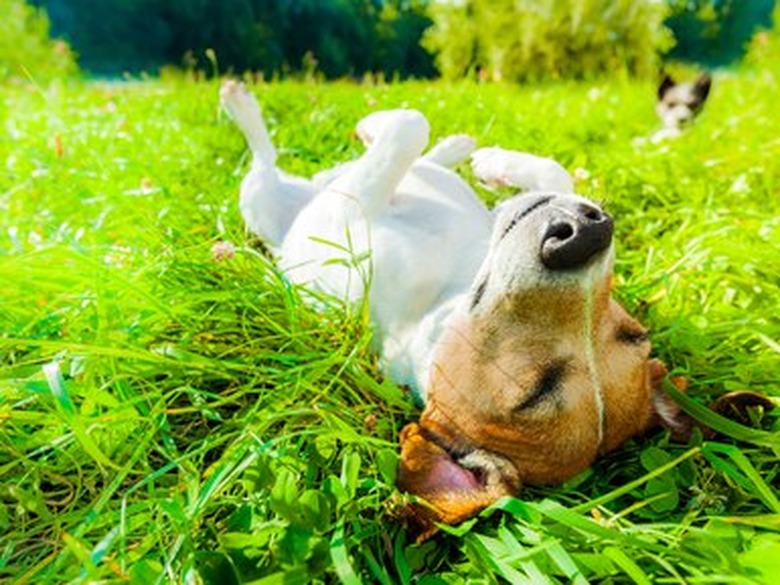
(571, 242)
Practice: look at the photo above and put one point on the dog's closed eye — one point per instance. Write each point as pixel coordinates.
(631, 335)
(547, 385)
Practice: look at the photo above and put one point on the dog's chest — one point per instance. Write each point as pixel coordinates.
(429, 242)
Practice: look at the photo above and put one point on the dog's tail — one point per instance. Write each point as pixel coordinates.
(245, 111)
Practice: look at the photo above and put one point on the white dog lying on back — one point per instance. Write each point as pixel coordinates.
(396, 222)
(503, 323)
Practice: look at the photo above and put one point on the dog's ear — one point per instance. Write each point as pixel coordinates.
(666, 84)
(736, 406)
(702, 87)
(447, 492)
(667, 412)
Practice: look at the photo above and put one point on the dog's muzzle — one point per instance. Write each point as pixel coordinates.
(577, 236)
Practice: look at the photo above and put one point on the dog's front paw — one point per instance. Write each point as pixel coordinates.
(496, 167)
(493, 166)
(452, 150)
(408, 127)
(372, 126)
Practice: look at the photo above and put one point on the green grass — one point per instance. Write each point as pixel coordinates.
(167, 417)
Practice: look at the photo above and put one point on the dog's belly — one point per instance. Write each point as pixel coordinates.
(418, 252)
(428, 245)
(427, 250)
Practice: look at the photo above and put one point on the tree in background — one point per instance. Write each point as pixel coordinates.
(716, 32)
(343, 37)
(515, 40)
(25, 46)
(453, 38)
(521, 40)
(400, 28)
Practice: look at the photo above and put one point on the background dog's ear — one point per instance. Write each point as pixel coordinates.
(702, 87)
(666, 84)
(448, 492)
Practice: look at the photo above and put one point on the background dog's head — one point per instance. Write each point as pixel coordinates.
(541, 372)
(679, 103)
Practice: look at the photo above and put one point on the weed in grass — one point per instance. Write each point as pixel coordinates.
(166, 415)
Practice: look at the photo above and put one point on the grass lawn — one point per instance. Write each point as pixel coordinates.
(168, 417)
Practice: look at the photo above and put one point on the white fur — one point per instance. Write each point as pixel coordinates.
(677, 106)
(395, 224)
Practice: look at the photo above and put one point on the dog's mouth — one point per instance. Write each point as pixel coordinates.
(460, 468)
(447, 475)
(453, 482)
(447, 471)
(677, 115)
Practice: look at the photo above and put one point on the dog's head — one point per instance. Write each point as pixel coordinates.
(540, 373)
(679, 103)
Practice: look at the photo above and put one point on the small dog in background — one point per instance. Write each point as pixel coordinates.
(678, 104)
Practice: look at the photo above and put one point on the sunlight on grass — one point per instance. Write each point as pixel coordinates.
(165, 413)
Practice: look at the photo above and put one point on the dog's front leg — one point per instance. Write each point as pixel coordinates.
(395, 139)
(497, 167)
(448, 152)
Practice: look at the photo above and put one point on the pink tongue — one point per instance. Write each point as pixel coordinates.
(445, 476)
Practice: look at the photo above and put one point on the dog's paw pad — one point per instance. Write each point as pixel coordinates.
(454, 149)
(492, 166)
(236, 98)
(403, 126)
(230, 89)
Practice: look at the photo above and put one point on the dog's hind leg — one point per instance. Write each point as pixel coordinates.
(245, 111)
(270, 199)
(397, 138)
(497, 167)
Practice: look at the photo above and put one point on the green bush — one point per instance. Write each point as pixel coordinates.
(524, 39)
(25, 46)
(715, 33)
(763, 51)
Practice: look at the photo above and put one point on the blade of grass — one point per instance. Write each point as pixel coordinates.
(67, 408)
(751, 477)
(630, 568)
(340, 556)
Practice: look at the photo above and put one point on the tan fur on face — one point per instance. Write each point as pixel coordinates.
(490, 363)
